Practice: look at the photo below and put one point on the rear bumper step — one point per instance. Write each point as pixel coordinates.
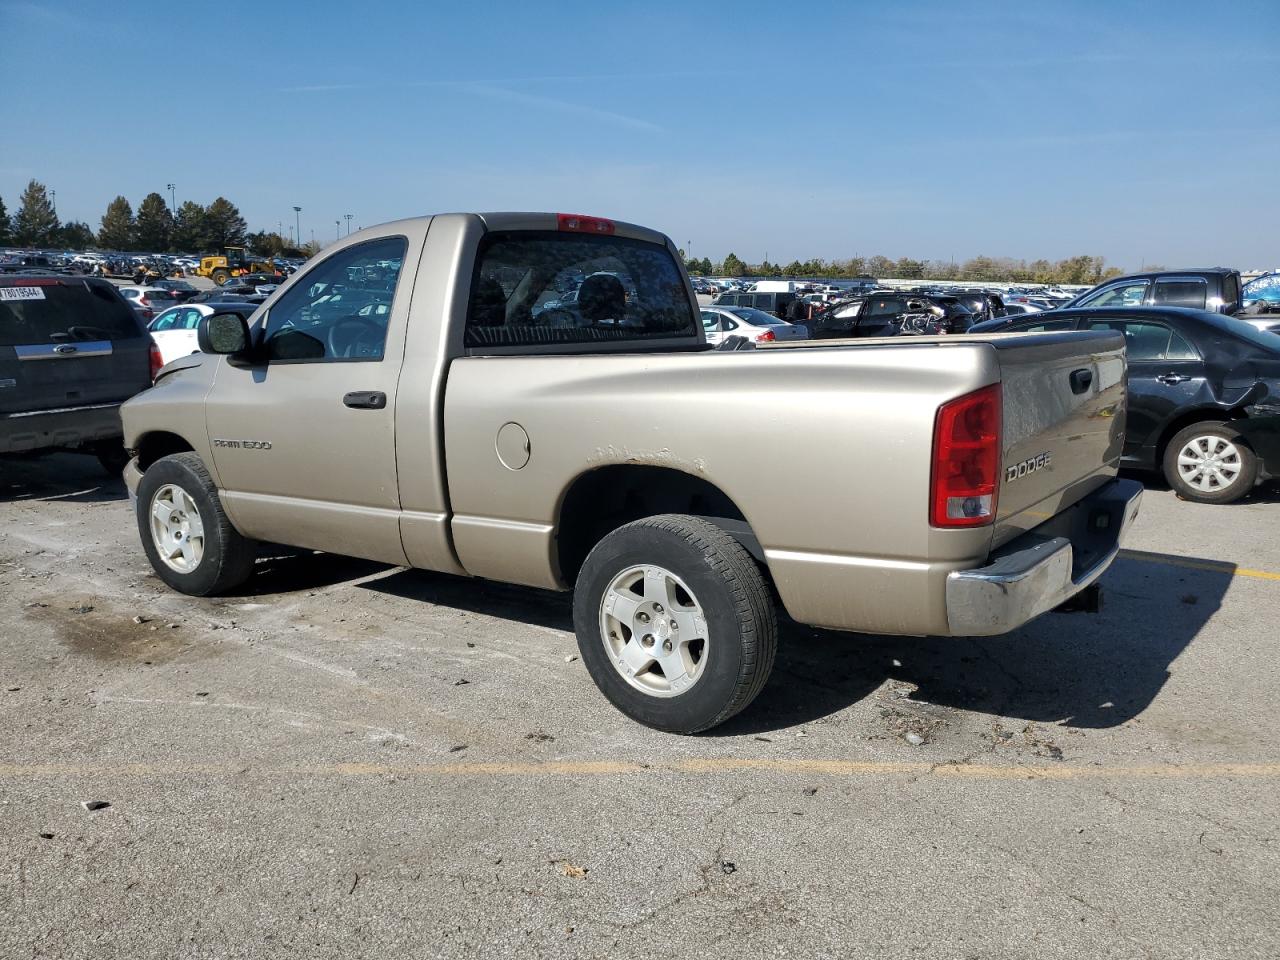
(1044, 567)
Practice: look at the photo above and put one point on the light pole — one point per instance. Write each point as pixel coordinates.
(347, 216)
(53, 200)
(297, 222)
(337, 230)
(173, 197)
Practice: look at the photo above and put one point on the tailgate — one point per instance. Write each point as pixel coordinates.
(1063, 430)
(67, 343)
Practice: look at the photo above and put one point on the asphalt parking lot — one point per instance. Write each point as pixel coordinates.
(353, 760)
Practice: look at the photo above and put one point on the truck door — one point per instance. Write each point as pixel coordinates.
(303, 437)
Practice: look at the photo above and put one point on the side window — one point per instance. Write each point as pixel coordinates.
(727, 324)
(340, 309)
(169, 320)
(1179, 349)
(884, 307)
(1046, 325)
(1128, 294)
(710, 320)
(1181, 293)
(1142, 341)
(190, 319)
(631, 290)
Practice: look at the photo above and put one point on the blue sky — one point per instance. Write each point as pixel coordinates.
(1139, 131)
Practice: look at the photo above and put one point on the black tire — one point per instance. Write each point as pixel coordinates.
(112, 457)
(220, 277)
(741, 624)
(228, 556)
(1244, 481)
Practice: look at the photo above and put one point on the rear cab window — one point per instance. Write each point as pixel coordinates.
(1181, 292)
(63, 312)
(627, 292)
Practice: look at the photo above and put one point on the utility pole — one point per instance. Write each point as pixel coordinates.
(297, 222)
(348, 219)
(173, 198)
(337, 230)
(53, 200)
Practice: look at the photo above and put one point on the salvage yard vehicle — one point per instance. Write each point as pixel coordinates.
(233, 262)
(71, 351)
(756, 325)
(1212, 288)
(408, 398)
(1194, 378)
(887, 314)
(174, 330)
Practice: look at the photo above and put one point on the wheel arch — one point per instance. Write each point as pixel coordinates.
(601, 500)
(155, 444)
(1186, 419)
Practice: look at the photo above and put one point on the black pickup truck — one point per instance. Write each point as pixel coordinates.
(1214, 288)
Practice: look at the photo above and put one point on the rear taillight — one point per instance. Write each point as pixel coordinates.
(765, 337)
(157, 361)
(573, 223)
(966, 460)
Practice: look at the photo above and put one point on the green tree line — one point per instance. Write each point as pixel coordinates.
(154, 228)
(1081, 269)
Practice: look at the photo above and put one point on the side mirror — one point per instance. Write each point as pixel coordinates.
(226, 333)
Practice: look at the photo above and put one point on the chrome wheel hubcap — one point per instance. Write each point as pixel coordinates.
(1209, 463)
(176, 528)
(654, 631)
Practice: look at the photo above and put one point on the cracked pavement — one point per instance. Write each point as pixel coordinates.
(300, 770)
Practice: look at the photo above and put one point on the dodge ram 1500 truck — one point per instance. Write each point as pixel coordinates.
(427, 394)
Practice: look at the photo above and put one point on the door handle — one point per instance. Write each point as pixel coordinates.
(1172, 378)
(365, 400)
(1080, 380)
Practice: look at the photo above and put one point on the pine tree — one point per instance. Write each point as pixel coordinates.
(35, 225)
(188, 234)
(223, 224)
(117, 226)
(153, 228)
(75, 235)
(5, 239)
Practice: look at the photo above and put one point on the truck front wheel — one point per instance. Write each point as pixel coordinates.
(675, 623)
(220, 277)
(185, 532)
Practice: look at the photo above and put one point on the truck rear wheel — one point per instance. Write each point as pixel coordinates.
(220, 277)
(185, 532)
(675, 623)
(1208, 462)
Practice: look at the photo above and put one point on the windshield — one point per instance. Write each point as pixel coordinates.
(52, 313)
(1243, 330)
(757, 318)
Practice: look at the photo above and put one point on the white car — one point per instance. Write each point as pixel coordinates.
(721, 322)
(174, 330)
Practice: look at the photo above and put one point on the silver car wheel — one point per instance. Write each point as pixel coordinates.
(1209, 463)
(654, 631)
(176, 528)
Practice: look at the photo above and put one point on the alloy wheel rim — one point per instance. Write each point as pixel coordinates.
(177, 529)
(1209, 463)
(654, 631)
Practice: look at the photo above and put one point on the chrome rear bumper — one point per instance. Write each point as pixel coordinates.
(1045, 567)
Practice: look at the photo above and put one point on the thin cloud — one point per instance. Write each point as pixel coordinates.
(555, 78)
(564, 106)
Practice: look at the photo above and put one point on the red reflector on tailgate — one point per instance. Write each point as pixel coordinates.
(575, 223)
(966, 460)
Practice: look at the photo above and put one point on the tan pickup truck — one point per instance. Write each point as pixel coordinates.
(530, 398)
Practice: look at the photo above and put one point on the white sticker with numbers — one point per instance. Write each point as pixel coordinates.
(21, 293)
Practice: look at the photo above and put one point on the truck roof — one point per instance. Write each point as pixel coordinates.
(530, 220)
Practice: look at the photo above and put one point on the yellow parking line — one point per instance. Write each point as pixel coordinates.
(1214, 566)
(610, 768)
